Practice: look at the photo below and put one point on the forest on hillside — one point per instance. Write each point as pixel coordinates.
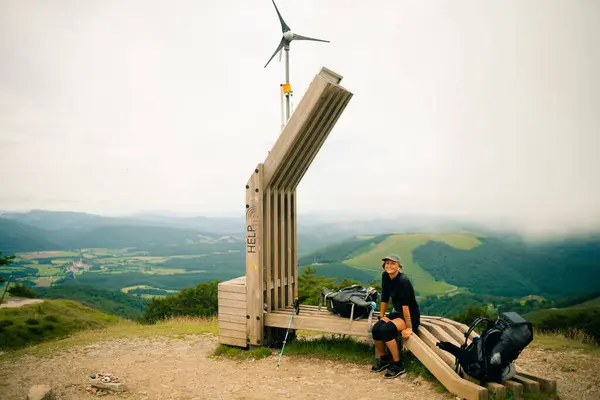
(514, 268)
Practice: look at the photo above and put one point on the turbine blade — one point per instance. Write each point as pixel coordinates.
(284, 26)
(300, 37)
(281, 43)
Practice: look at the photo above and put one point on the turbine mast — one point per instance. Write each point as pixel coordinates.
(284, 45)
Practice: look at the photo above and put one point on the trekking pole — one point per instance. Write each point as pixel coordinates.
(296, 307)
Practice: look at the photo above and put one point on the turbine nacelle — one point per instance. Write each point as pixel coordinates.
(288, 35)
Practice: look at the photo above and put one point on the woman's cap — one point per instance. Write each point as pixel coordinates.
(393, 257)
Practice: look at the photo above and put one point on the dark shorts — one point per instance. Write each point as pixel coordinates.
(415, 321)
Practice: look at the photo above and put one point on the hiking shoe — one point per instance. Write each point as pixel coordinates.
(395, 370)
(380, 365)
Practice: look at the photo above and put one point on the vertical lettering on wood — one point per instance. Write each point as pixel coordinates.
(254, 258)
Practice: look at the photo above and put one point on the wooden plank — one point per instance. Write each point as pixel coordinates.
(233, 341)
(277, 278)
(268, 235)
(238, 319)
(295, 243)
(254, 262)
(461, 327)
(444, 374)
(232, 289)
(282, 179)
(287, 139)
(232, 326)
(231, 296)
(431, 340)
(529, 385)
(451, 330)
(515, 388)
(340, 103)
(288, 244)
(233, 304)
(231, 311)
(232, 333)
(321, 324)
(282, 248)
(546, 385)
(439, 333)
(240, 280)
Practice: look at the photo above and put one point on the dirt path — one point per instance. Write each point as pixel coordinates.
(18, 302)
(162, 368)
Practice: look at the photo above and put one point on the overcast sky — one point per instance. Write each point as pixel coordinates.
(464, 108)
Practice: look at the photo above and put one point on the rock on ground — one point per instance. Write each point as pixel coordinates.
(40, 392)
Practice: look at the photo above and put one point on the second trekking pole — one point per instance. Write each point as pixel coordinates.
(297, 309)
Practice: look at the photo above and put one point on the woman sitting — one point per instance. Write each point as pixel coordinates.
(394, 285)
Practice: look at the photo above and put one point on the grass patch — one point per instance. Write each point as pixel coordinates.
(347, 349)
(563, 340)
(45, 281)
(47, 254)
(174, 328)
(238, 353)
(47, 270)
(404, 245)
(52, 319)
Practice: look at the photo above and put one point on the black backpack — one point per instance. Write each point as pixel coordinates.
(490, 357)
(353, 302)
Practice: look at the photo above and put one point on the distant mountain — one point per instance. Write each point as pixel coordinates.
(58, 220)
(56, 230)
(16, 237)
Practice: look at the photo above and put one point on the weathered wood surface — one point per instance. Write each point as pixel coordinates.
(232, 312)
(254, 257)
(423, 345)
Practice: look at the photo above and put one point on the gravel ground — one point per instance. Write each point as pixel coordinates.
(168, 368)
(162, 368)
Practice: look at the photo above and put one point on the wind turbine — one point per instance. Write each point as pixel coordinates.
(284, 44)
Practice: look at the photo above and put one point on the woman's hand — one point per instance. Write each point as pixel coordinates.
(385, 319)
(406, 333)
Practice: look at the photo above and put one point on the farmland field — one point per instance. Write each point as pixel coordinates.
(116, 269)
(403, 245)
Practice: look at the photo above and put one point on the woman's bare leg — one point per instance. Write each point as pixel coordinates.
(379, 348)
(392, 345)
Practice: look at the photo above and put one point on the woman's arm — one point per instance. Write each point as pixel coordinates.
(406, 314)
(406, 311)
(385, 296)
(383, 306)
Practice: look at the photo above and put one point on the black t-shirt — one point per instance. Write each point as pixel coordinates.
(401, 291)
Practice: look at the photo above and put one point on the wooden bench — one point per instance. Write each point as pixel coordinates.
(232, 331)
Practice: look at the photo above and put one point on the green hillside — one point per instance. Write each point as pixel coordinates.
(404, 245)
(52, 319)
(512, 267)
(16, 237)
(590, 305)
(107, 301)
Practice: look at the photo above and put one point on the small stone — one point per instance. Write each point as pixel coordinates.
(40, 392)
(114, 387)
